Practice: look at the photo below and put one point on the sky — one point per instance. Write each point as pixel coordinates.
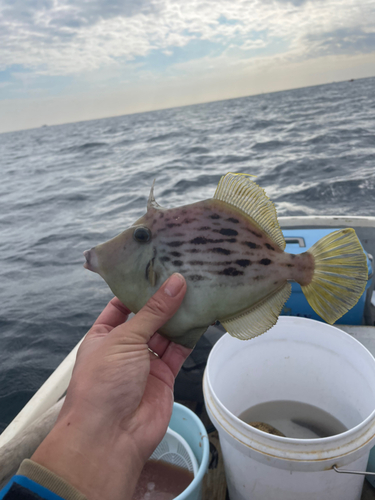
(71, 60)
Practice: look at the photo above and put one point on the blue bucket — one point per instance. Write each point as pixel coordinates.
(190, 427)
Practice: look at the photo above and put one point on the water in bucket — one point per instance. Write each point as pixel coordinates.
(162, 481)
(293, 419)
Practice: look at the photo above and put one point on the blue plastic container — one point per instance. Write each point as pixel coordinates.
(191, 428)
(299, 241)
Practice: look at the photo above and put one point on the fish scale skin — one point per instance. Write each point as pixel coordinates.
(227, 261)
(209, 238)
(229, 264)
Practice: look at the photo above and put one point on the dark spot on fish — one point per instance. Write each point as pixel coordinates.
(250, 244)
(289, 265)
(258, 235)
(265, 262)
(270, 247)
(176, 254)
(183, 212)
(193, 250)
(199, 240)
(215, 216)
(161, 215)
(258, 278)
(212, 263)
(177, 263)
(232, 219)
(231, 271)
(204, 228)
(243, 262)
(175, 243)
(173, 224)
(165, 259)
(188, 221)
(223, 251)
(228, 232)
(275, 282)
(196, 277)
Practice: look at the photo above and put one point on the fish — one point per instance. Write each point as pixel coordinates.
(270, 429)
(230, 249)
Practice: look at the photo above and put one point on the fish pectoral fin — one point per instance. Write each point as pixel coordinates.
(150, 273)
(241, 192)
(258, 318)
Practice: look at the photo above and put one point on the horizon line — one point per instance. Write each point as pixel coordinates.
(188, 105)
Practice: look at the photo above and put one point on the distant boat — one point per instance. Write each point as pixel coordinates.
(352, 80)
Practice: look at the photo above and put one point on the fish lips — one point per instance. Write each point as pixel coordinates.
(91, 260)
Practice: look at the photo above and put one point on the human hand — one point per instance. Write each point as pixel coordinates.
(120, 398)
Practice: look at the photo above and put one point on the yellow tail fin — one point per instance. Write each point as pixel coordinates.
(340, 274)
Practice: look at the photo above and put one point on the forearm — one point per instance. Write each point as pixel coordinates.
(98, 466)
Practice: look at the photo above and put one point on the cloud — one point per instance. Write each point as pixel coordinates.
(342, 41)
(59, 37)
(160, 53)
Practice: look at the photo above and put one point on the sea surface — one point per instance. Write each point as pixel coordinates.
(67, 188)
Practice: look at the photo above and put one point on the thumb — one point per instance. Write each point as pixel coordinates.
(159, 309)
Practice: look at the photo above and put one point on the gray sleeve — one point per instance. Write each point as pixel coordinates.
(49, 480)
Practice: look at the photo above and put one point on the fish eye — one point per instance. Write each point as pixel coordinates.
(142, 234)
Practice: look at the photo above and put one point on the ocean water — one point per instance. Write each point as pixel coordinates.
(67, 188)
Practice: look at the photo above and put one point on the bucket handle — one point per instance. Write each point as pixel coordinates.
(300, 241)
(352, 472)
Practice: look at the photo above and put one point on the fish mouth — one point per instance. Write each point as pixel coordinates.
(91, 260)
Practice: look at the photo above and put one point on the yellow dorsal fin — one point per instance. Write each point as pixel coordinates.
(258, 318)
(241, 192)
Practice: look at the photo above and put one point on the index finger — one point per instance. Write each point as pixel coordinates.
(114, 314)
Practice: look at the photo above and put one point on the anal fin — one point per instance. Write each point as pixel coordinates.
(258, 318)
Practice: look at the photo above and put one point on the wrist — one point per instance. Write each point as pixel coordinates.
(99, 466)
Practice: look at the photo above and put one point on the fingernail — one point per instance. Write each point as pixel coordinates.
(174, 285)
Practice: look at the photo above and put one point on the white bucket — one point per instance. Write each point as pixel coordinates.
(299, 360)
